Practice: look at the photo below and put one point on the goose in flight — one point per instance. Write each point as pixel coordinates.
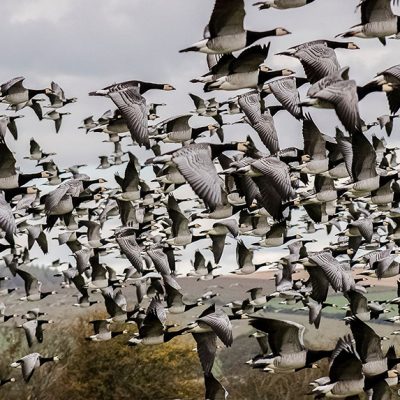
(377, 21)
(225, 32)
(31, 362)
(127, 96)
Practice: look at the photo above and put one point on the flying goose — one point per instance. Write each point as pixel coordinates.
(33, 287)
(195, 163)
(345, 372)
(57, 117)
(127, 96)
(13, 92)
(377, 21)
(34, 330)
(225, 32)
(209, 326)
(31, 362)
(153, 330)
(272, 178)
(340, 95)
(368, 346)
(102, 331)
(285, 339)
(246, 71)
(285, 91)
(262, 123)
(391, 76)
(318, 57)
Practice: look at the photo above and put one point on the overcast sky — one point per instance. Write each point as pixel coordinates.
(86, 45)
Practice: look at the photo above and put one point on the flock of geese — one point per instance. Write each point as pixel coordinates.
(344, 182)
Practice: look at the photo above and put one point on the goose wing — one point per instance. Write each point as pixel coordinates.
(227, 18)
(249, 59)
(364, 165)
(206, 349)
(343, 95)
(195, 164)
(7, 161)
(29, 364)
(314, 142)
(284, 337)
(285, 91)
(368, 343)
(132, 106)
(345, 364)
(220, 324)
(376, 10)
(318, 61)
(14, 84)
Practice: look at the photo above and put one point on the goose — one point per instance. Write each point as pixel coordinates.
(33, 287)
(285, 339)
(57, 97)
(244, 260)
(262, 123)
(195, 163)
(153, 330)
(102, 331)
(198, 264)
(3, 316)
(337, 275)
(210, 325)
(345, 372)
(175, 303)
(362, 309)
(285, 91)
(386, 121)
(127, 96)
(10, 178)
(318, 57)
(377, 21)
(342, 96)
(31, 362)
(282, 4)
(225, 32)
(178, 130)
(13, 92)
(34, 330)
(8, 122)
(272, 178)
(218, 235)
(7, 220)
(57, 117)
(391, 76)
(247, 71)
(36, 153)
(181, 233)
(368, 346)
(88, 124)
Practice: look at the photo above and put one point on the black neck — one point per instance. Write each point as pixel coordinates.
(170, 335)
(252, 36)
(301, 81)
(45, 360)
(114, 334)
(34, 92)
(371, 87)
(145, 86)
(264, 76)
(337, 45)
(9, 194)
(218, 149)
(25, 178)
(197, 131)
(316, 355)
